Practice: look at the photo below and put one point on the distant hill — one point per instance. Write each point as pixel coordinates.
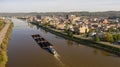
(84, 13)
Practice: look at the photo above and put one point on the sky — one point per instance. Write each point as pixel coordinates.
(58, 5)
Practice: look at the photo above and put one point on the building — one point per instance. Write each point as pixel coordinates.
(38, 16)
(83, 29)
(72, 17)
(105, 21)
(60, 26)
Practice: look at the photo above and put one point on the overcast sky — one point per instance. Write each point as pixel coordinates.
(58, 5)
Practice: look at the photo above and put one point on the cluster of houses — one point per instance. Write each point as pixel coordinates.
(77, 24)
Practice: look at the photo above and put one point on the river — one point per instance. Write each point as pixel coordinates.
(23, 51)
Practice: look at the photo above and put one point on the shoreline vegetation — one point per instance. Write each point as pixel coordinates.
(98, 45)
(1, 25)
(4, 46)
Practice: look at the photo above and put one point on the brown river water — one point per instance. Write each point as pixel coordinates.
(23, 51)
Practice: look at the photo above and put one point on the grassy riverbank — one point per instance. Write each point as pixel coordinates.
(4, 46)
(86, 42)
(1, 25)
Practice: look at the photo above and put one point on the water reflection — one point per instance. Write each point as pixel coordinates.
(43, 31)
(107, 54)
(37, 27)
(104, 53)
(79, 44)
(30, 25)
(95, 51)
(69, 43)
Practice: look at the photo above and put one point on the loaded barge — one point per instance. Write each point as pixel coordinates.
(44, 43)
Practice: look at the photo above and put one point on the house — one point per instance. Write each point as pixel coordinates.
(105, 21)
(83, 29)
(60, 26)
(45, 20)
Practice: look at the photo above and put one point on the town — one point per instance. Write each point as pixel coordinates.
(105, 29)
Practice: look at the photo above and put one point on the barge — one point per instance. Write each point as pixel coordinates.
(44, 43)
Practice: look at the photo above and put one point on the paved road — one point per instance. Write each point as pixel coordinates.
(3, 32)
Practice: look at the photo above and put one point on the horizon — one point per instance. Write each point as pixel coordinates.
(61, 12)
(14, 6)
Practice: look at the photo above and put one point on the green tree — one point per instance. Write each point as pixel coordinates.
(115, 37)
(69, 33)
(118, 28)
(47, 24)
(76, 30)
(118, 37)
(108, 37)
(90, 30)
(66, 27)
(96, 39)
(112, 29)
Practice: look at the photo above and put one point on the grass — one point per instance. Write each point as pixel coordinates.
(1, 25)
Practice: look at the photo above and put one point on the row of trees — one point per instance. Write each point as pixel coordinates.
(108, 37)
(112, 29)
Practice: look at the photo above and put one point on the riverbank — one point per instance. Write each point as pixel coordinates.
(4, 44)
(4, 31)
(98, 45)
(2, 26)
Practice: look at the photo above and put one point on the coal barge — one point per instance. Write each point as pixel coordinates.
(44, 43)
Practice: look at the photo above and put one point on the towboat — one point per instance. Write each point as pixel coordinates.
(52, 50)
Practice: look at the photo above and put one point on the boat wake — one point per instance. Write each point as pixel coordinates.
(57, 57)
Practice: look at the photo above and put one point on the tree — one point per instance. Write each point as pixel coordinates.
(69, 33)
(76, 30)
(118, 28)
(67, 26)
(112, 29)
(90, 30)
(96, 39)
(108, 37)
(115, 37)
(47, 24)
(118, 37)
